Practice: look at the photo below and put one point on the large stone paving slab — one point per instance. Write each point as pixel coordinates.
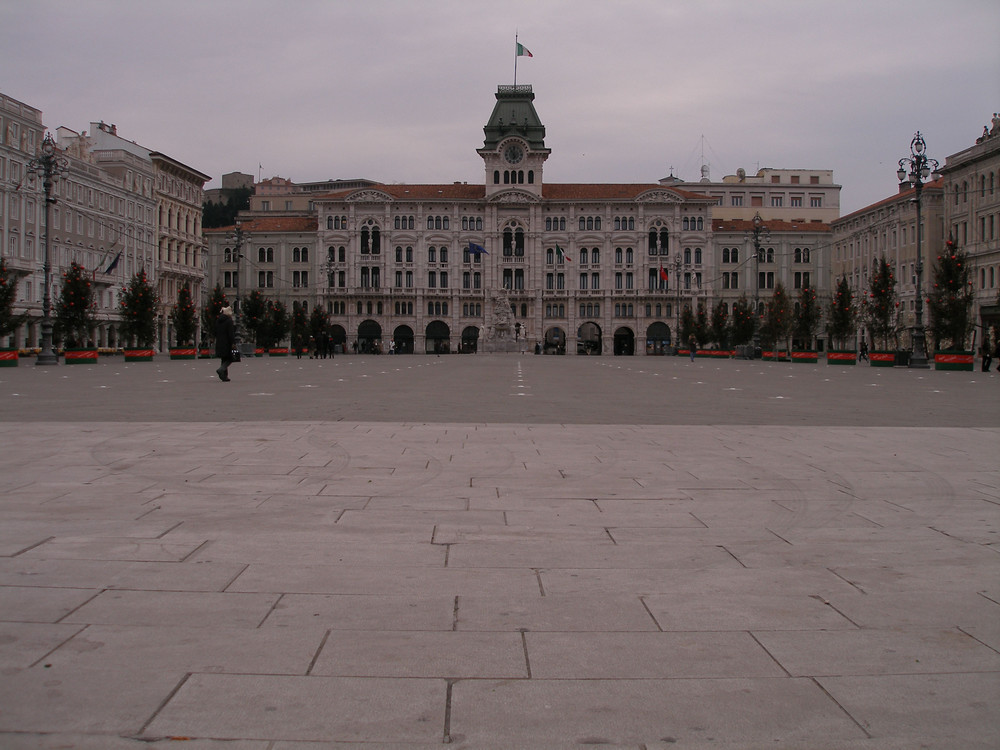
(643, 559)
(305, 709)
(756, 712)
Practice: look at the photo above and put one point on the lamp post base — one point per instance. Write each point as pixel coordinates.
(46, 356)
(918, 354)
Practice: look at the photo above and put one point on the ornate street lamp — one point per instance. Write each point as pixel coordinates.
(677, 275)
(758, 229)
(239, 237)
(915, 169)
(50, 164)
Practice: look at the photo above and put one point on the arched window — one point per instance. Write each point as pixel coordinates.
(508, 242)
(725, 255)
(329, 222)
(496, 176)
(697, 255)
(430, 222)
(684, 223)
(701, 223)
(687, 255)
(519, 242)
(595, 256)
(531, 177)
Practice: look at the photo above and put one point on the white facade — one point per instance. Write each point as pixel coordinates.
(102, 218)
(971, 206)
(579, 264)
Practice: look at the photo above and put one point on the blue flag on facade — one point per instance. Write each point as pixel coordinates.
(114, 263)
(477, 249)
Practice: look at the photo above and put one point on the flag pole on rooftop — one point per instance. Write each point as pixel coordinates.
(519, 51)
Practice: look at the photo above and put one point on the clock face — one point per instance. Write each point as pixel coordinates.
(513, 153)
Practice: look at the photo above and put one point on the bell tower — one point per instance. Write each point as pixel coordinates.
(514, 149)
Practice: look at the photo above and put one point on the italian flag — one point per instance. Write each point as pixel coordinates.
(523, 51)
(561, 254)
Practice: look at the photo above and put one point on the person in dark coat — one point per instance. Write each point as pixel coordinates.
(225, 342)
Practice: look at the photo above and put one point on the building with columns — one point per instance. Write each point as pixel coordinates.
(509, 263)
(102, 218)
(971, 206)
(119, 208)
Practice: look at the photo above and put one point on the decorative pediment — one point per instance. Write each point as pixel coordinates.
(658, 196)
(514, 196)
(369, 196)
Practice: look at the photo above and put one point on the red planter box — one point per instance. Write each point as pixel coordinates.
(835, 357)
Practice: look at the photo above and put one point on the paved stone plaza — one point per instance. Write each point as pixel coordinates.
(498, 552)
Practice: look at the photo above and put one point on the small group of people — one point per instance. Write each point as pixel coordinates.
(318, 347)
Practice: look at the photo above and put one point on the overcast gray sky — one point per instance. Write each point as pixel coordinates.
(399, 90)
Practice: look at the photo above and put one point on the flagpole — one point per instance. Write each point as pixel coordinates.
(515, 59)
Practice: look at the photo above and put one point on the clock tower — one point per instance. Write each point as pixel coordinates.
(514, 149)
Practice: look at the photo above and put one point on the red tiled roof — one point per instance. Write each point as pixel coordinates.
(273, 224)
(745, 225)
(903, 195)
(550, 192)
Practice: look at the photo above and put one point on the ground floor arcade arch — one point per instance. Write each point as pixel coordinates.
(369, 337)
(588, 339)
(470, 340)
(438, 338)
(624, 342)
(403, 339)
(554, 341)
(657, 338)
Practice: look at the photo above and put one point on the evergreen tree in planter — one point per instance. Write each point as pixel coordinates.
(9, 322)
(253, 313)
(701, 324)
(687, 327)
(137, 306)
(209, 317)
(880, 305)
(74, 314)
(300, 327)
(276, 325)
(744, 321)
(319, 319)
(720, 325)
(777, 322)
(950, 307)
(807, 315)
(840, 326)
(184, 319)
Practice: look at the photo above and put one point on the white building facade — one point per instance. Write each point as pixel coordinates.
(577, 268)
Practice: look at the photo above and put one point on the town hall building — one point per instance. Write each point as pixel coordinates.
(514, 263)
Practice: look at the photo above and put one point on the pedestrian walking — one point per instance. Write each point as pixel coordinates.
(987, 356)
(693, 346)
(225, 342)
(863, 351)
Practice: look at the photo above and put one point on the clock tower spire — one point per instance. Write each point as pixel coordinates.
(514, 149)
